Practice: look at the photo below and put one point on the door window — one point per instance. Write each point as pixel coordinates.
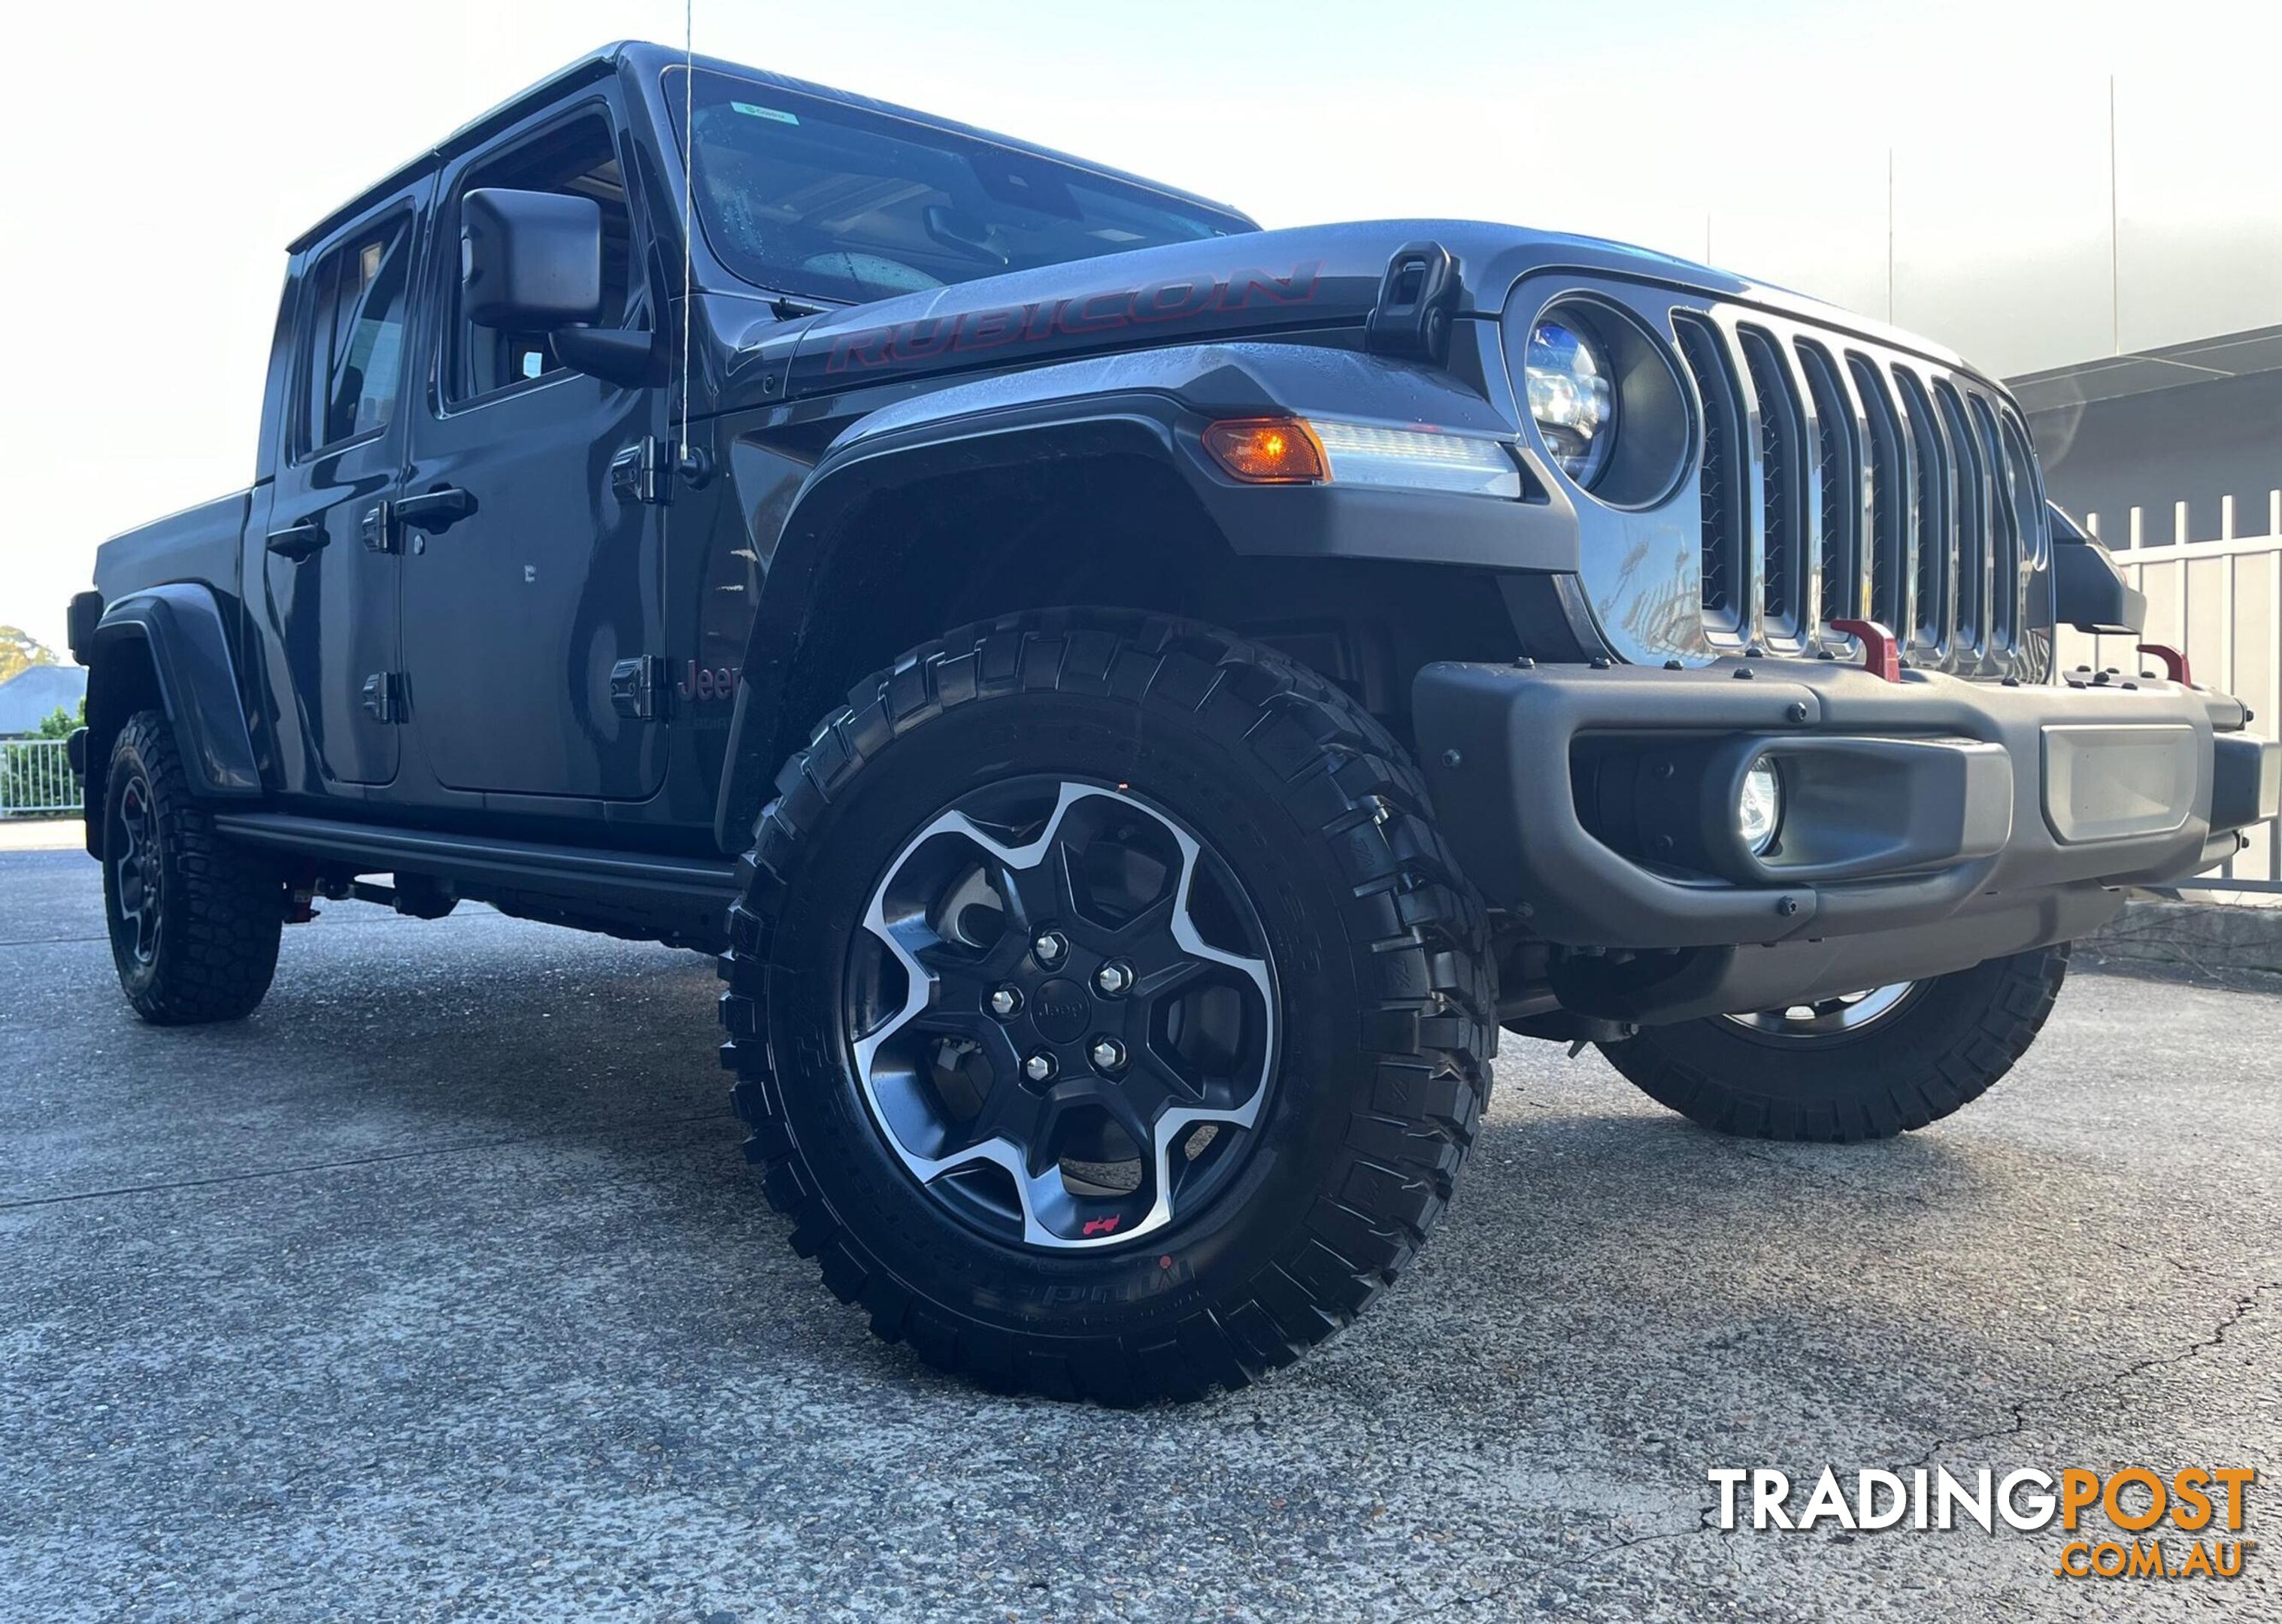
(353, 347)
(577, 159)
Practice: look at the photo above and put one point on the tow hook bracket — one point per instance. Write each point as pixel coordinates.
(1881, 656)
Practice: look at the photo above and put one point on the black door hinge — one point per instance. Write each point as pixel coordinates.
(646, 470)
(641, 688)
(643, 473)
(387, 698)
(378, 527)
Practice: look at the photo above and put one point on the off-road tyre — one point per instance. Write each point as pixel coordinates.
(208, 948)
(1955, 1038)
(1387, 994)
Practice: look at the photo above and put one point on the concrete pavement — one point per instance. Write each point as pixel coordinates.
(438, 1290)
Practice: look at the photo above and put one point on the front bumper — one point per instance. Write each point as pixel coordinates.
(1931, 822)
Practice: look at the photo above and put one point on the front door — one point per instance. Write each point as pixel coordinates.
(543, 570)
(330, 590)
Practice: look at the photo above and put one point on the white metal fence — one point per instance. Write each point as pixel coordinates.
(35, 778)
(2220, 602)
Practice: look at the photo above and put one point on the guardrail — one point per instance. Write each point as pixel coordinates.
(2220, 602)
(36, 779)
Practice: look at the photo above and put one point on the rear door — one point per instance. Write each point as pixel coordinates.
(515, 614)
(330, 588)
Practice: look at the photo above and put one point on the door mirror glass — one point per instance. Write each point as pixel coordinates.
(530, 261)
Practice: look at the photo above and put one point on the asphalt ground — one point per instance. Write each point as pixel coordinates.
(438, 1290)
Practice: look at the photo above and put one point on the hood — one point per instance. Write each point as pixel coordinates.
(1260, 284)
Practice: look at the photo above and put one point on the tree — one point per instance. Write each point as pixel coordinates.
(19, 650)
(60, 723)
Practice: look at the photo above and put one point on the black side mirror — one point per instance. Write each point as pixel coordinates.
(530, 261)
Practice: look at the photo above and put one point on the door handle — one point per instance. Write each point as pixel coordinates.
(438, 511)
(297, 541)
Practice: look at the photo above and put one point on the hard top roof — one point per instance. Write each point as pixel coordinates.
(648, 58)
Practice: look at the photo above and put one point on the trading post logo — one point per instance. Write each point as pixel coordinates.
(2173, 1521)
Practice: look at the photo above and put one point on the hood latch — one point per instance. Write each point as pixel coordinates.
(1417, 300)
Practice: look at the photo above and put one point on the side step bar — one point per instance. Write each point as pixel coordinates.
(646, 880)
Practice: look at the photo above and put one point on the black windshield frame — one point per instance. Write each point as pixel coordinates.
(995, 207)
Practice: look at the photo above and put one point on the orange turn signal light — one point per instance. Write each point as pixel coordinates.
(1267, 450)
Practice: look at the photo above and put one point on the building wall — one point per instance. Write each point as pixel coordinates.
(2195, 443)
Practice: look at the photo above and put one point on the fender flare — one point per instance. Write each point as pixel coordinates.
(842, 483)
(181, 628)
(1154, 404)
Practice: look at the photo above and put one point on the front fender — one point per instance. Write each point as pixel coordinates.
(1154, 404)
(180, 628)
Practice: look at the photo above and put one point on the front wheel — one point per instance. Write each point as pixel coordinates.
(1865, 1066)
(1107, 1013)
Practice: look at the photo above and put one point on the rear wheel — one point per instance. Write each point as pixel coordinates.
(1106, 1011)
(1863, 1065)
(193, 920)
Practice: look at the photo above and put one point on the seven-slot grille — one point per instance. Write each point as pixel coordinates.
(1842, 480)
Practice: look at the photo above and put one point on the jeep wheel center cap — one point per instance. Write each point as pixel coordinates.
(1061, 1010)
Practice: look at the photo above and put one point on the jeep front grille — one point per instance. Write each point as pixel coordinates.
(1843, 480)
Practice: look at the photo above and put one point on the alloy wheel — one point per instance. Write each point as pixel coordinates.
(1846, 1016)
(1062, 1014)
(136, 871)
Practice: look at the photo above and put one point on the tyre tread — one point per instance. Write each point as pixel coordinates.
(225, 906)
(1891, 1100)
(1411, 916)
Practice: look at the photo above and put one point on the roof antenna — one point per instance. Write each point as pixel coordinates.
(688, 146)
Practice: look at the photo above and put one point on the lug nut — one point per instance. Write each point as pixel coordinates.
(1114, 978)
(1107, 1054)
(1049, 947)
(1006, 1001)
(1039, 1068)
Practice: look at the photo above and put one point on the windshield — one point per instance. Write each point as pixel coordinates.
(812, 197)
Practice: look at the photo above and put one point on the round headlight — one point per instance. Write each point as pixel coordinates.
(1572, 397)
(1758, 807)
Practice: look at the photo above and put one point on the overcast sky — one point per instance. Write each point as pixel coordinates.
(164, 153)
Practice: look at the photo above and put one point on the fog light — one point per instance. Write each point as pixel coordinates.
(1758, 807)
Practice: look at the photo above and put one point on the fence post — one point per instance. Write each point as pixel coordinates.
(2134, 529)
(2179, 523)
(2227, 518)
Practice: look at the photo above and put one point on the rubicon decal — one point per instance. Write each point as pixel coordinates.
(1085, 315)
(2183, 1512)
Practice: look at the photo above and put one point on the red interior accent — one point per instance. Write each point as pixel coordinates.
(2175, 663)
(1881, 656)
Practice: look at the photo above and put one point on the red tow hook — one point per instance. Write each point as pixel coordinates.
(2175, 663)
(1881, 656)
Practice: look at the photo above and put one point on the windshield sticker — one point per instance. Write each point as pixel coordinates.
(778, 113)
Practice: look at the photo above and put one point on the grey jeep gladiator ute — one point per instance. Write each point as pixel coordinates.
(1135, 701)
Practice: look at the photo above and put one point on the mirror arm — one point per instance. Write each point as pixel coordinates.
(631, 358)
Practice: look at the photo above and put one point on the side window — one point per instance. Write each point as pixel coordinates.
(580, 160)
(354, 345)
